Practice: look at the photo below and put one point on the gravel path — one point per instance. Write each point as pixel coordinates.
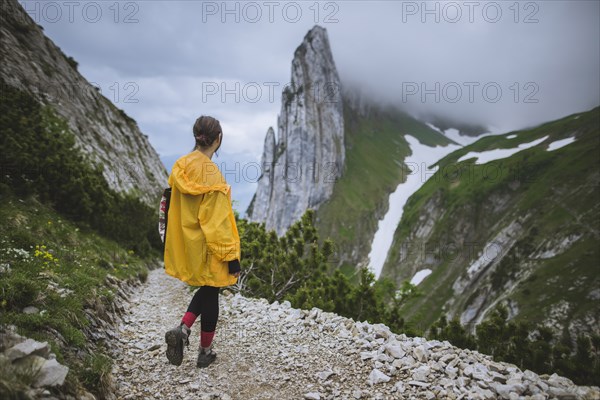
(256, 357)
(272, 351)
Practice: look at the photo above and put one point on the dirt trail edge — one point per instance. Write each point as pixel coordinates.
(272, 351)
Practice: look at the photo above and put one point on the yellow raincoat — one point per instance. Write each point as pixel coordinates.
(201, 232)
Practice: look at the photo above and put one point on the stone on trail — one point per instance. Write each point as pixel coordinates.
(376, 376)
(312, 396)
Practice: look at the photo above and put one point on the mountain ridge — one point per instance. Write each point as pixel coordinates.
(104, 133)
(501, 228)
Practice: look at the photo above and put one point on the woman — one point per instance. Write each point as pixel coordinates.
(202, 246)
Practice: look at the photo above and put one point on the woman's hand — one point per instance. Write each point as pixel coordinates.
(234, 268)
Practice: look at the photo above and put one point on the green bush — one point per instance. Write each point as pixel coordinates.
(295, 267)
(39, 158)
(17, 291)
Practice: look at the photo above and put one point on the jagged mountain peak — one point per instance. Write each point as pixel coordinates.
(316, 39)
(309, 154)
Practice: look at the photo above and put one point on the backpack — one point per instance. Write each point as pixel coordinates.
(163, 214)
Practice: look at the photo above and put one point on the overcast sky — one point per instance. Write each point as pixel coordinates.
(507, 65)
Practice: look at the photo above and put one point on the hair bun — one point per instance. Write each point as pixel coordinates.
(206, 130)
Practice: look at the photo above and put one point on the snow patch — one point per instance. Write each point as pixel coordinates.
(454, 135)
(560, 143)
(435, 128)
(419, 161)
(497, 154)
(419, 276)
(511, 136)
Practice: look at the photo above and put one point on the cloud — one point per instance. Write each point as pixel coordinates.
(543, 57)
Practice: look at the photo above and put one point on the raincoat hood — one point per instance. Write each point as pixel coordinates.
(196, 174)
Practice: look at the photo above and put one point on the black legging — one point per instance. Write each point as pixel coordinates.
(206, 303)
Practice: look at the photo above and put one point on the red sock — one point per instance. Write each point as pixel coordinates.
(188, 319)
(206, 338)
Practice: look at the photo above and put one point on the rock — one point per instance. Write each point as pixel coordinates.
(394, 350)
(505, 390)
(421, 373)
(420, 353)
(29, 365)
(9, 337)
(447, 357)
(530, 375)
(312, 396)
(383, 358)
(382, 331)
(418, 383)
(538, 396)
(429, 395)
(46, 372)
(477, 371)
(559, 381)
(357, 394)
(31, 310)
(376, 376)
(51, 374)
(496, 367)
(29, 346)
(399, 387)
(323, 375)
(451, 371)
(561, 394)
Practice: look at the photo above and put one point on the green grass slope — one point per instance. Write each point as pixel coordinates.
(551, 196)
(60, 268)
(375, 151)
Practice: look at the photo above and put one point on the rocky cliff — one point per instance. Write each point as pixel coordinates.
(104, 133)
(300, 168)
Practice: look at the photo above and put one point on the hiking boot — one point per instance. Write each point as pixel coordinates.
(206, 356)
(175, 339)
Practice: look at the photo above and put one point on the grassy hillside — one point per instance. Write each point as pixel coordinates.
(375, 151)
(551, 197)
(60, 268)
